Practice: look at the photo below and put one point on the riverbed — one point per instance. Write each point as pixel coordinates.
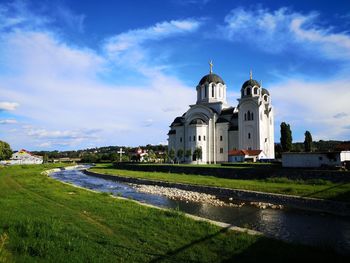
(291, 225)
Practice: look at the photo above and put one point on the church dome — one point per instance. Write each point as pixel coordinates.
(211, 78)
(265, 91)
(250, 82)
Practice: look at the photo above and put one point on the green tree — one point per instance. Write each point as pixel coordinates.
(45, 158)
(180, 154)
(286, 137)
(188, 154)
(198, 154)
(151, 156)
(5, 151)
(171, 155)
(308, 142)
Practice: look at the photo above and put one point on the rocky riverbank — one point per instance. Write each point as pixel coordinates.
(191, 196)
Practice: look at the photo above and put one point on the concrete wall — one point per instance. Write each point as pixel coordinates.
(311, 159)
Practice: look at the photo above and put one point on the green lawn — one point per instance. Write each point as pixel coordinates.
(43, 220)
(311, 188)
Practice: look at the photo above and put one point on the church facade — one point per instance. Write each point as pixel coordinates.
(218, 128)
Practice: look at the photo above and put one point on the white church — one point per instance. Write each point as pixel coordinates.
(224, 132)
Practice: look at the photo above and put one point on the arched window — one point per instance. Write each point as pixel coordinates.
(248, 91)
(212, 91)
(248, 135)
(245, 116)
(252, 116)
(255, 91)
(248, 115)
(265, 97)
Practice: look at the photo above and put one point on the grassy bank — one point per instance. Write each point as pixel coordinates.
(42, 220)
(310, 188)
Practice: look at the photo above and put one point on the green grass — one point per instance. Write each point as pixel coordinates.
(43, 220)
(316, 188)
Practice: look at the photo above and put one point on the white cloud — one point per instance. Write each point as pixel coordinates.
(8, 121)
(321, 107)
(159, 31)
(279, 30)
(340, 115)
(8, 106)
(73, 21)
(63, 96)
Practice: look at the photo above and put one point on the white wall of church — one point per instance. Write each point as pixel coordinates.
(221, 142)
(198, 127)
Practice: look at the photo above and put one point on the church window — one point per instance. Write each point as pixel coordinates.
(221, 138)
(255, 91)
(252, 116)
(248, 91)
(245, 116)
(265, 98)
(249, 135)
(248, 115)
(204, 138)
(180, 139)
(265, 139)
(199, 137)
(221, 150)
(194, 138)
(205, 91)
(212, 91)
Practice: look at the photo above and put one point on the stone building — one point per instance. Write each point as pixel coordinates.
(216, 127)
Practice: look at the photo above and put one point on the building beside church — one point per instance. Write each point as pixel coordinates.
(23, 157)
(218, 128)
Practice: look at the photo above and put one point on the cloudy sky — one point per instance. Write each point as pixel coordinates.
(78, 74)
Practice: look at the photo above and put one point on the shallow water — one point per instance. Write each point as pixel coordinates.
(288, 224)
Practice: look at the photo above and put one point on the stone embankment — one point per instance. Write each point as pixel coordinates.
(191, 196)
(298, 202)
(182, 195)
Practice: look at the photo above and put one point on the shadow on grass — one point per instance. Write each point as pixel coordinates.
(261, 250)
(177, 251)
(340, 197)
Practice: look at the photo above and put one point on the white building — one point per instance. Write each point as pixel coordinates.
(315, 159)
(25, 157)
(215, 127)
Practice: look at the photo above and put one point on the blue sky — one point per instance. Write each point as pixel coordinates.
(78, 74)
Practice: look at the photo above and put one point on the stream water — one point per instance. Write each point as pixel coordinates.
(291, 225)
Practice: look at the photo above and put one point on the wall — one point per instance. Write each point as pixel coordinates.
(310, 159)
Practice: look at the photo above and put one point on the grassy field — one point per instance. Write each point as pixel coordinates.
(43, 220)
(309, 188)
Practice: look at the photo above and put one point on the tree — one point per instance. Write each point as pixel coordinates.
(308, 142)
(180, 154)
(171, 155)
(5, 151)
(198, 154)
(45, 158)
(188, 154)
(286, 137)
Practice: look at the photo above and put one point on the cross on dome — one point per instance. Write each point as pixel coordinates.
(211, 66)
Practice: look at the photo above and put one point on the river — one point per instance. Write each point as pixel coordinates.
(312, 228)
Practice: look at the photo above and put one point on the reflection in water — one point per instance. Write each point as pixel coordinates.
(291, 225)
